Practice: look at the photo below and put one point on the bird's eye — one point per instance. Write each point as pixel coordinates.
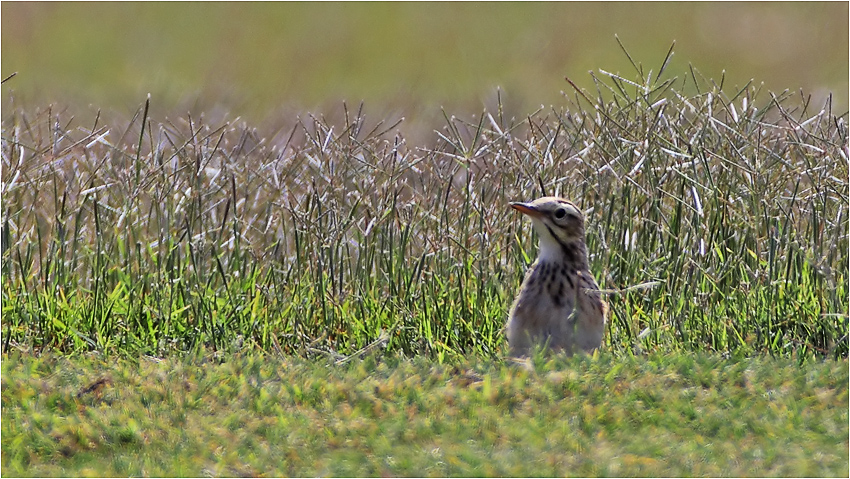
(560, 213)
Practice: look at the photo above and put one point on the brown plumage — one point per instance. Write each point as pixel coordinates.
(559, 304)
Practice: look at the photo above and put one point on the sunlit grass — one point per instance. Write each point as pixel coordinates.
(319, 296)
(661, 415)
(328, 235)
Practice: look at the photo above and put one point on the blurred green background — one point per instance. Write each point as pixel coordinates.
(258, 59)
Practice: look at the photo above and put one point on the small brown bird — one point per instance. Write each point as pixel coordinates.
(559, 304)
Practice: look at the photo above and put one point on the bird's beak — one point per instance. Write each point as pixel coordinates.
(526, 209)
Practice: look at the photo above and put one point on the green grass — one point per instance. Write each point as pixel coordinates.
(661, 415)
(321, 296)
(328, 234)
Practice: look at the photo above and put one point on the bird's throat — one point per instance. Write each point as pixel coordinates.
(557, 250)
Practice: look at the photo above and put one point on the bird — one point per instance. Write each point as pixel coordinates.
(559, 305)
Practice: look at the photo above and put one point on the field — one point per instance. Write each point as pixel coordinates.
(672, 415)
(717, 222)
(324, 294)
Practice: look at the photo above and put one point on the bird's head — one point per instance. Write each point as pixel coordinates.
(558, 222)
